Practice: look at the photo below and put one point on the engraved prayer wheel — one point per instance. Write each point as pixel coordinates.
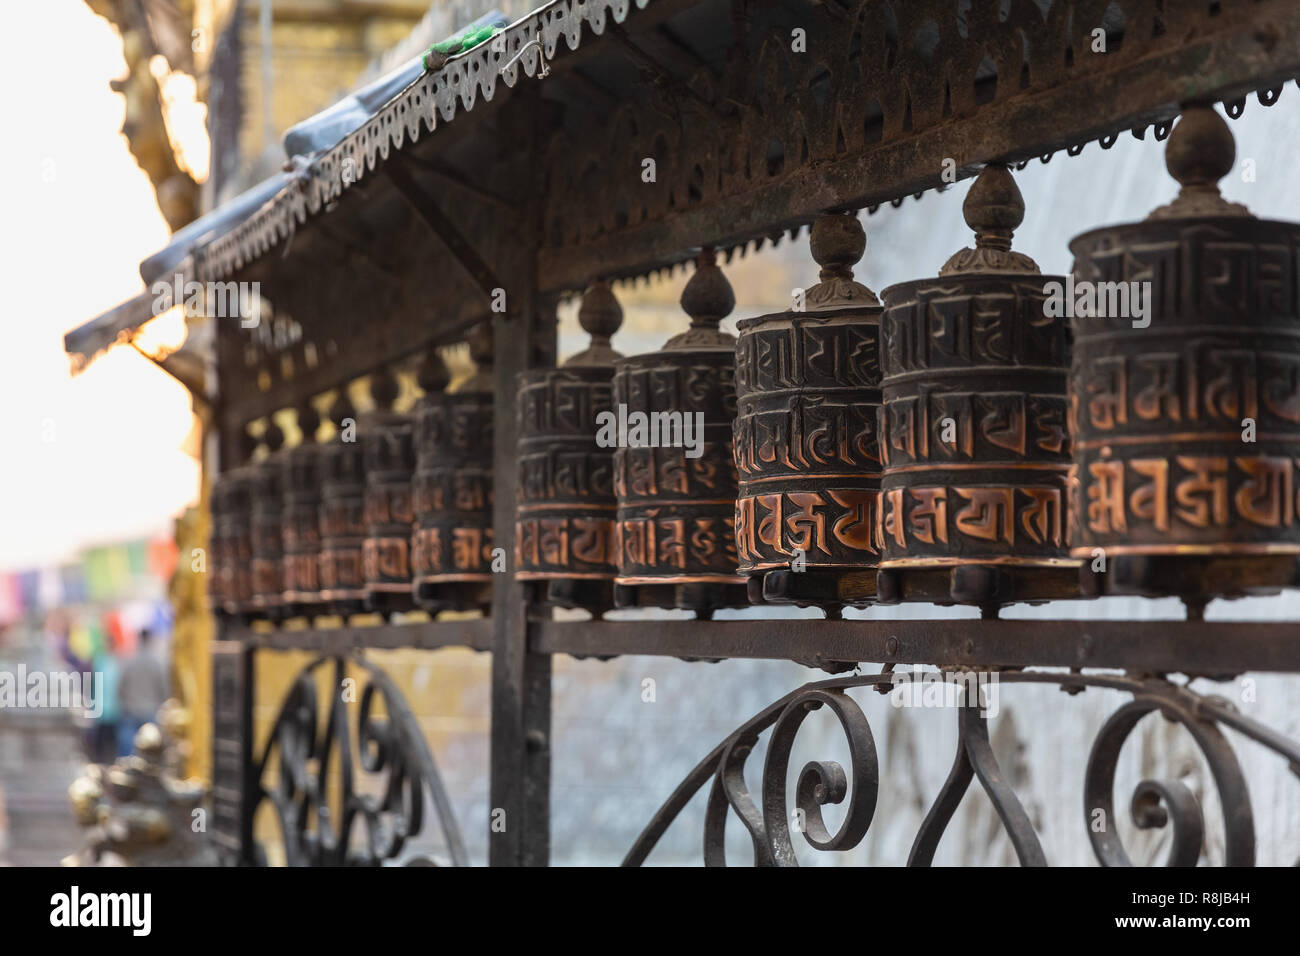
(807, 397)
(265, 526)
(1186, 403)
(564, 532)
(388, 445)
(300, 519)
(342, 512)
(230, 546)
(451, 546)
(674, 471)
(973, 423)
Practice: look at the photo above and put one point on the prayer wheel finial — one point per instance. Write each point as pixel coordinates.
(342, 409)
(600, 316)
(272, 436)
(708, 299)
(308, 421)
(837, 242)
(384, 388)
(480, 342)
(994, 209)
(433, 376)
(1199, 153)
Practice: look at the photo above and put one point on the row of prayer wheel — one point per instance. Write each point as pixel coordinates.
(987, 436)
(392, 515)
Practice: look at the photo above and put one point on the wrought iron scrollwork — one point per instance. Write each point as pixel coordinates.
(1154, 803)
(389, 746)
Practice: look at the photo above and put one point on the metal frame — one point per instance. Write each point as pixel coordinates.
(1194, 51)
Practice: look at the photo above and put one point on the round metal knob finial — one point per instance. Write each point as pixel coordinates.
(707, 299)
(837, 242)
(342, 408)
(994, 209)
(308, 421)
(247, 445)
(272, 436)
(480, 343)
(433, 375)
(1199, 152)
(600, 316)
(383, 388)
(479, 340)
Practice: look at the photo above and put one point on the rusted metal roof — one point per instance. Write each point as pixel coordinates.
(330, 145)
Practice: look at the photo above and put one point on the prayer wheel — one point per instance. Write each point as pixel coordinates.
(807, 397)
(230, 546)
(342, 512)
(1185, 393)
(265, 526)
(674, 471)
(973, 423)
(564, 532)
(451, 547)
(388, 445)
(300, 520)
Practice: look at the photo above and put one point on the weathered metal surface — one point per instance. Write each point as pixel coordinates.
(342, 512)
(807, 397)
(674, 469)
(388, 449)
(451, 543)
(1187, 418)
(973, 423)
(300, 521)
(565, 532)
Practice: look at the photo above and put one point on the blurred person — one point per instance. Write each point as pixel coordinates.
(141, 689)
(104, 742)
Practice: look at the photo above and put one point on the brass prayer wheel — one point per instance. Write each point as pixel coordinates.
(388, 446)
(973, 423)
(229, 545)
(451, 546)
(807, 397)
(1186, 409)
(674, 471)
(300, 519)
(265, 527)
(342, 512)
(564, 532)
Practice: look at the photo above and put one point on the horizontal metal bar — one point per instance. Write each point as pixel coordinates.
(1215, 67)
(475, 633)
(1201, 648)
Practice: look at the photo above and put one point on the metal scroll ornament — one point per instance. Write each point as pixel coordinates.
(973, 423)
(342, 512)
(300, 527)
(564, 532)
(807, 396)
(265, 488)
(388, 448)
(674, 471)
(451, 546)
(1185, 393)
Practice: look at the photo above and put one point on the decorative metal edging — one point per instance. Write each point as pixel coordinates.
(416, 110)
(394, 745)
(1154, 804)
(923, 115)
